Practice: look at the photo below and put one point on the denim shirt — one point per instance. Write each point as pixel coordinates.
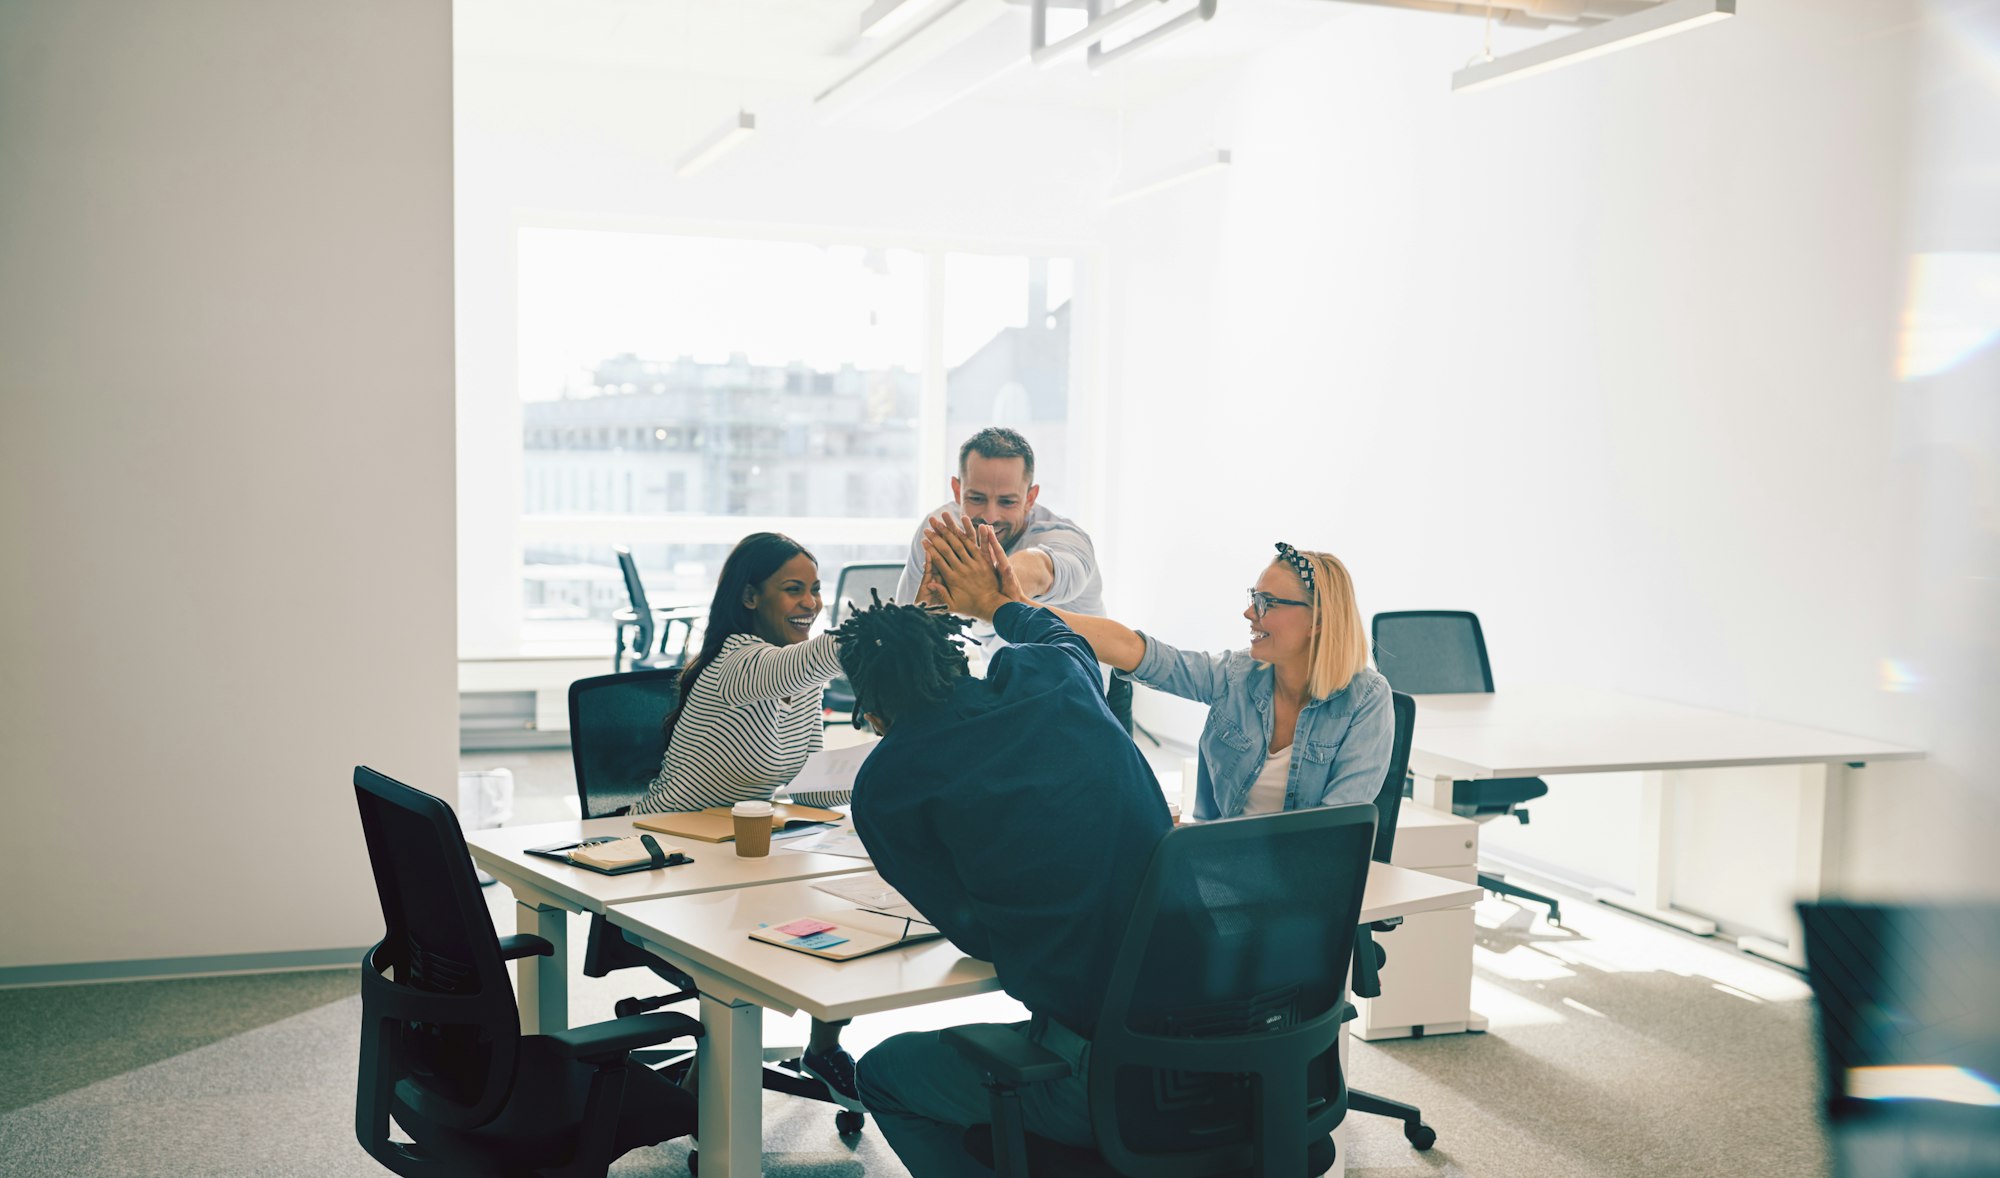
(1340, 749)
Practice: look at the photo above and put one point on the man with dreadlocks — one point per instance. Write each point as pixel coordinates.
(1018, 817)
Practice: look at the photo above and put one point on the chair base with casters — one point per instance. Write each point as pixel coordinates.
(1485, 800)
(608, 950)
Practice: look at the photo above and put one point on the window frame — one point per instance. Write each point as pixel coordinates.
(491, 484)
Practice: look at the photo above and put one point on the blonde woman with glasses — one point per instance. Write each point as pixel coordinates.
(1298, 719)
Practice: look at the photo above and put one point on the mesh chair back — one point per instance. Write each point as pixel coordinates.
(855, 582)
(616, 738)
(1221, 1022)
(1432, 652)
(439, 941)
(1389, 799)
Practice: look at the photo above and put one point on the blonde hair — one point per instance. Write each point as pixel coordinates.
(1340, 641)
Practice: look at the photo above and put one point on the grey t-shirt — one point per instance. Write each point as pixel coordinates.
(1076, 588)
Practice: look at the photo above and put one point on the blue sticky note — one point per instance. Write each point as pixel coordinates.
(818, 941)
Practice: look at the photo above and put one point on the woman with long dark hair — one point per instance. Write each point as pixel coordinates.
(749, 711)
(749, 714)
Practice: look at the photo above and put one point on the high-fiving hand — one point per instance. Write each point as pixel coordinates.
(967, 565)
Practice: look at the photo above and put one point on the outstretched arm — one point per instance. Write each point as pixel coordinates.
(978, 579)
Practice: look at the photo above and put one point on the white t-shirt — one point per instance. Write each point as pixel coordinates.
(1267, 793)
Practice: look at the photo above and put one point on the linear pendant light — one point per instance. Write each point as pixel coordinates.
(886, 18)
(1201, 165)
(719, 143)
(938, 28)
(1661, 20)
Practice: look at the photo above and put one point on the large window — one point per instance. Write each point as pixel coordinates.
(678, 392)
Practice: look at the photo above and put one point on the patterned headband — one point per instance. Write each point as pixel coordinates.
(1301, 564)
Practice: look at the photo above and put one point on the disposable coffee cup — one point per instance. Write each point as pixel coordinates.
(1174, 812)
(753, 828)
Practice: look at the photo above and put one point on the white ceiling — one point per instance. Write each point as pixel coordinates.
(772, 52)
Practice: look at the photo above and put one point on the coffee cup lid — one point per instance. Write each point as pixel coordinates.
(752, 809)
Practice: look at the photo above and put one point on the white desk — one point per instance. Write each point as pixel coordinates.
(546, 891)
(708, 936)
(1543, 731)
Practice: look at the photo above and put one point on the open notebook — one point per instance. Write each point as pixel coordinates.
(614, 856)
(853, 932)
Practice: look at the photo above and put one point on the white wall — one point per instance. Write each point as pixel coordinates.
(226, 381)
(1609, 356)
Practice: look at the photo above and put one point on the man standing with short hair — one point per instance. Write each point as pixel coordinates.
(995, 485)
(1053, 557)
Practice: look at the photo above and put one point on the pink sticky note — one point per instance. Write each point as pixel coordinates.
(805, 926)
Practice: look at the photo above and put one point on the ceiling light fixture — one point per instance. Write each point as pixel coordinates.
(1201, 165)
(724, 139)
(886, 18)
(941, 27)
(1661, 20)
(1045, 53)
(1101, 57)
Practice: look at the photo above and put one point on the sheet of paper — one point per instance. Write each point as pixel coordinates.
(840, 840)
(870, 891)
(830, 769)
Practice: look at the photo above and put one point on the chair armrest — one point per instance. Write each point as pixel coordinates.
(1387, 926)
(525, 945)
(1007, 1059)
(1368, 960)
(609, 1041)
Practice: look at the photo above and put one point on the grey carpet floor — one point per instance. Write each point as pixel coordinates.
(1616, 1048)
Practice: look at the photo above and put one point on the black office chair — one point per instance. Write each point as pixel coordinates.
(851, 592)
(1217, 1047)
(441, 1044)
(617, 743)
(636, 626)
(1369, 957)
(1439, 652)
(1909, 1035)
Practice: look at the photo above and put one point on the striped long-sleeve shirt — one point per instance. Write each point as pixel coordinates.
(751, 720)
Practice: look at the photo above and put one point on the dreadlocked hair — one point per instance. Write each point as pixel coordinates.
(900, 659)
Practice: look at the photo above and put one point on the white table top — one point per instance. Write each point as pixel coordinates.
(716, 866)
(1534, 730)
(1401, 891)
(711, 932)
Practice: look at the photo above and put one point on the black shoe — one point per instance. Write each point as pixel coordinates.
(835, 1069)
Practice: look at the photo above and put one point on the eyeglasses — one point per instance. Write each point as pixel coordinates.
(1261, 602)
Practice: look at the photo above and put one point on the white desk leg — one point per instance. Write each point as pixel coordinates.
(541, 984)
(1655, 896)
(1822, 806)
(1433, 793)
(730, 1088)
